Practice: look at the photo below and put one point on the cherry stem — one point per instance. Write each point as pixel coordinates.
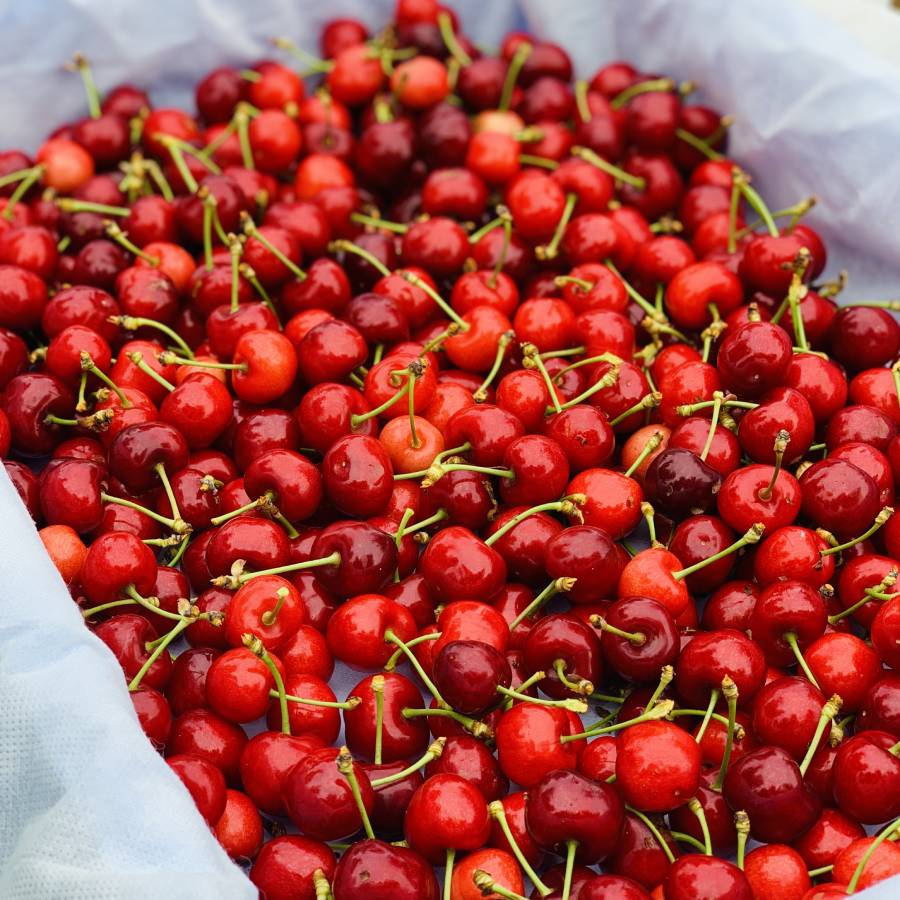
(551, 249)
(607, 380)
(345, 246)
(480, 394)
(742, 827)
(29, 177)
(378, 691)
(349, 703)
(448, 310)
(71, 205)
(822, 870)
(880, 520)
(652, 445)
(660, 711)
(655, 85)
(752, 536)
(414, 441)
(895, 750)
(796, 292)
(432, 753)
(498, 813)
(523, 51)
(756, 202)
(377, 222)
(167, 639)
(531, 359)
(710, 708)
(782, 439)
(473, 726)
(568, 506)
(689, 409)
(649, 515)
(251, 230)
(488, 887)
(696, 808)
(357, 420)
(646, 403)
(133, 323)
(209, 204)
(392, 638)
(167, 358)
(88, 365)
(233, 514)
(309, 60)
(730, 692)
(321, 886)
(115, 604)
(82, 66)
(580, 686)
(137, 360)
(581, 101)
(718, 398)
(488, 227)
(257, 648)
(589, 156)
(445, 25)
(250, 275)
(791, 640)
(559, 586)
(829, 711)
(439, 516)
(529, 159)
(448, 874)
(667, 673)
(171, 524)
(651, 826)
(569, 703)
(270, 616)
(635, 637)
(345, 767)
(610, 358)
(737, 180)
(571, 848)
(241, 121)
(718, 717)
(882, 836)
(683, 838)
(333, 559)
(444, 454)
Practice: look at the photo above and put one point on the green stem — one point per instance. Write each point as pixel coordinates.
(710, 708)
(696, 808)
(559, 585)
(345, 767)
(831, 708)
(151, 514)
(448, 874)
(133, 323)
(523, 51)
(729, 689)
(660, 711)
(791, 640)
(654, 86)
(251, 230)
(599, 162)
(752, 536)
(684, 838)
(183, 623)
(445, 24)
(571, 849)
(392, 638)
(651, 445)
(433, 752)
(883, 836)
(651, 826)
(374, 222)
(378, 691)
(566, 506)
(880, 520)
(551, 249)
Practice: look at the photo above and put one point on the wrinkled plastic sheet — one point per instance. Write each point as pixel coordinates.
(88, 811)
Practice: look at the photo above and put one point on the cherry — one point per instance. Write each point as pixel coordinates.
(469, 758)
(843, 664)
(657, 766)
(785, 714)
(357, 476)
(467, 674)
(528, 742)
(154, 715)
(879, 709)
(458, 564)
(769, 786)
(865, 777)
(380, 871)
(205, 783)
(638, 638)
(204, 734)
(787, 617)
(568, 652)
(284, 868)
(704, 878)
(445, 815)
(710, 656)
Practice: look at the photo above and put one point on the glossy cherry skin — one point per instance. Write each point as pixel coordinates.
(767, 784)
(357, 475)
(528, 742)
(699, 538)
(754, 358)
(679, 483)
(710, 656)
(27, 400)
(589, 555)
(785, 714)
(524, 546)
(458, 564)
(368, 558)
(613, 500)
(114, 561)
(446, 812)
(566, 638)
(788, 607)
(261, 543)
(238, 685)
(867, 778)
(881, 706)
(741, 505)
(470, 758)
(187, 686)
(568, 806)
(205, 783)
(202, 733)
(882, 864)
(658, 645)
(793, 553)
(284, 868)
(402, 738)
(467, 674)
(657, 766)
(356, 632)
(831, 833)
(844, 664)
(839, 496)
(265, 762)
(696, 877)
(375, 870)
(318, 797)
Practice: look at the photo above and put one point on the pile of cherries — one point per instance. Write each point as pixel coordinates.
(479, 382)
